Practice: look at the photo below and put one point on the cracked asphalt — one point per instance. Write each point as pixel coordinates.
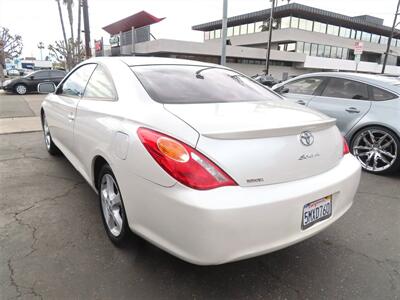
(53, 245)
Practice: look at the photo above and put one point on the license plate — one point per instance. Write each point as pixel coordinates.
(316, 211)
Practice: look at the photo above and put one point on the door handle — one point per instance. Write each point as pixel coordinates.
(301, 102)
(352, 110)
(71, 116)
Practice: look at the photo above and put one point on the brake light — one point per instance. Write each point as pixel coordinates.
(182, 162)
(346, 149)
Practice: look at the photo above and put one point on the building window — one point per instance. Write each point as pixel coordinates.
(291, 47)
(236, 30)
(250, 28)
(353, 34)
(339, 52)
(344, 32)
(319, 27)
(229, 31)
(243, 29)
(307, 47)
(366, 37)
(333, 52)
(259, 26)
(300, 47)
(294, 23)
(206, 35)
(384, 40)
(358, 35)
(285, 22)
(345, 53)
(281, 47)
(212, 34)
(327, 51)
(332, 29)
(375, 38)
(218, 33)
(314, 49)
(393, 42)
(321, 50)
(305, 24)
(398, 43)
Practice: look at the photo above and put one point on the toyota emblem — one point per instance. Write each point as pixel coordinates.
(306, 138)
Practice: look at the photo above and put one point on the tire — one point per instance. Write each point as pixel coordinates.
(112, 207)
(48, 141)
(21, 89)
(377, 149)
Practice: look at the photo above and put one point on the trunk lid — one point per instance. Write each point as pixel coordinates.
(258, 143)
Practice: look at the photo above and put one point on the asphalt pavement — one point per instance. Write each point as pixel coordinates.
(53, 245)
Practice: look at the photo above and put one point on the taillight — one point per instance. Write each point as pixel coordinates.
(182, 162)
(346, 149)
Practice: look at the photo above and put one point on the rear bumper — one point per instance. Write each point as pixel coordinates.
(233, 223)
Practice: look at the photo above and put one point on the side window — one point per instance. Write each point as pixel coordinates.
(344, 88)
(381, 95)
(305, 86)
(76, 82)
(57, 74)
(41, 75)
(100, 85)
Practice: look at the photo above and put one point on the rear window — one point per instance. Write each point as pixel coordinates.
(182, 84)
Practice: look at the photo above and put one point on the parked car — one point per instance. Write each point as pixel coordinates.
(29, 83)
(197, 158)
(367, 110)
(264, 79)
(12, 72)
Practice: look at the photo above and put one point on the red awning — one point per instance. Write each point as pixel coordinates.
(137, 20)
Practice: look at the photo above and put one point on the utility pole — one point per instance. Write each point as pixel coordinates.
(271, 18)
(41, 47)
(390, 38)
(87, 28)
(223, 36)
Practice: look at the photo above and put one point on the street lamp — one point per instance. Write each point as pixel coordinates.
(390, 38)
(41, 47)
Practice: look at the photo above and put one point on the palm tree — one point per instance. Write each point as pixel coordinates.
(69, 4)
(78, 42)
(68, 58)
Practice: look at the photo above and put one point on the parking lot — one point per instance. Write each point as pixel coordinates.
(53, 245)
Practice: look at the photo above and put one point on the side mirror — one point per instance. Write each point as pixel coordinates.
(284, 90)
(46, 88)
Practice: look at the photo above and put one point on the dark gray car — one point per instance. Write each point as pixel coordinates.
(366, 107)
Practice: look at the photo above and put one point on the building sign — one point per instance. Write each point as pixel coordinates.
(358, 48)
(114, 40)
(98, 45)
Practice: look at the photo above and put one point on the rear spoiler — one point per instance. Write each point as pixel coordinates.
(271, 132)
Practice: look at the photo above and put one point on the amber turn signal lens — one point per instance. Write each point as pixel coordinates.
(172, 149)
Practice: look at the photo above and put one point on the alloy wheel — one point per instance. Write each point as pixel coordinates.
(111, 205)
(21, 89)
(46, 131)
(375, 149)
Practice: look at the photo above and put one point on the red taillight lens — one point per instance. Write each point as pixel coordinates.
(346, 149)
(183, 162)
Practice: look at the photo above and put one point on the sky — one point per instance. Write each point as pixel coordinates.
(38, 20)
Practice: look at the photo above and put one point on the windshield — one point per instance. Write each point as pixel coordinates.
(181, 84)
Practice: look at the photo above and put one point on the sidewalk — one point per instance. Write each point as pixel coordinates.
(20, 113)
(15, 125)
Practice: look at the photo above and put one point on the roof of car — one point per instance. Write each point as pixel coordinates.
(370, 78)
(148, 60)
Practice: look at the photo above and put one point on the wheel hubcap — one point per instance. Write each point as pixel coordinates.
(47, 138)
(375, 149)
(111, 204)
(21, 89)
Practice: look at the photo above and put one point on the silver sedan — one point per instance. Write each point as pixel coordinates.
(366, 107)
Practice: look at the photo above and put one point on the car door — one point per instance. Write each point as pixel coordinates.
(63, 108)
(343, 99)
(302, 90)
(36, 78)
(56, 76)
(96, 124)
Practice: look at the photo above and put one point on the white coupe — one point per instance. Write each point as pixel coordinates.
(197, 158)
